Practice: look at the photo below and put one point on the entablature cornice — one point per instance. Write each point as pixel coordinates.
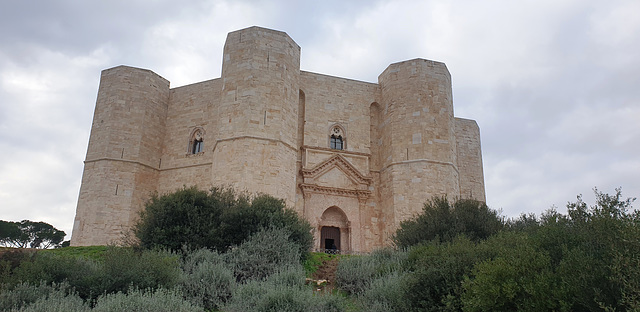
(334, 151)
(313, 188)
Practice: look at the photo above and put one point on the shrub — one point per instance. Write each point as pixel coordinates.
(50, 268)
(440, 220)
(589, 249)
(144, 300)
(117, 271)
(355, 274)
(218, 219)
(282, 291)
(385, 293)
(519, 278)
(207, 281)
(264, 212)
(437, 271)
(262, 254)
(124, 267)
(42, 297)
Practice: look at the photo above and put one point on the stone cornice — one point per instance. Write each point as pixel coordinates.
(326, 149)
(313, 188)
(444, 163)
(121, 160)
(145, 165)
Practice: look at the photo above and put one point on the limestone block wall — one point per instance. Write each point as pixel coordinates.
(333, 100)
(260, 90)
(123, 157)
(192, 106)
(258, 113)
(419, 155)
(257, 166)
(469, 159)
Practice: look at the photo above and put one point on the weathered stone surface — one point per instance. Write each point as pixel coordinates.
(266, 126)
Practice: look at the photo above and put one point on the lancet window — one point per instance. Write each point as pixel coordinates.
(196, 143)
(337, 138)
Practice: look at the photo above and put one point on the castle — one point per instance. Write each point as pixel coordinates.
(354, 158)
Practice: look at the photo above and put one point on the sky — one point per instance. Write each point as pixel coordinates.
(553, 84)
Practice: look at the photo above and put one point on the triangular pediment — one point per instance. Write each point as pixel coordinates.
(335, 177)
(336, 168)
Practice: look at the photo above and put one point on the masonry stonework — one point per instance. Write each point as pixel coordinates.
(354, 158)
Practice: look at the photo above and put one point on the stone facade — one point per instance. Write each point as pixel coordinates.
(354, 158)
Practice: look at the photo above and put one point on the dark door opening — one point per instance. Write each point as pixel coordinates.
(330, 238)
(329, 244)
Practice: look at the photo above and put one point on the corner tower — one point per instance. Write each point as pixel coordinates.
(418, 154)
(258, 113)
(125, 146)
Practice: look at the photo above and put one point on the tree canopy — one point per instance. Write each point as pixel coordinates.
(29, 234)
(442, 220)
(217, 219)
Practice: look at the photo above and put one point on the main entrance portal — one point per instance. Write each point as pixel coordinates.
(334, 230)
(330, 238)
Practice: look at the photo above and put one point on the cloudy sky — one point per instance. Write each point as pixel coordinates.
(553, 84)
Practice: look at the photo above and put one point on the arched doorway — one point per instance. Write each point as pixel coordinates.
(334, 230)
(330, 238)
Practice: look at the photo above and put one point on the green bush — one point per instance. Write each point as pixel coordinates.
(589, 249)
(122, 268)
(117, 271)
(443, 221)
(282, 291)
(519, 278)
(81, 274)
(42, 297)
(207, 281)
(385, 293)
(437, 271)
(144, 300)
(288, 276)
(262, 254)
(355, 274)
(264, 212)
(218, 219)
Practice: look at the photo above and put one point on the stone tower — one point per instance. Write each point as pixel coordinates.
(354, 158)
(258, 113)
(125, 147)
(419, 155)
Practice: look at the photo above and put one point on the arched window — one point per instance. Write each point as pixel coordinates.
(336, 138)
(196, 143)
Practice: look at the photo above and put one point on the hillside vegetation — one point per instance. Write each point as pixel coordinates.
(455, 256)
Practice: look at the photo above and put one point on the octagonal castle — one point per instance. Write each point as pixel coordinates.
(354, 158)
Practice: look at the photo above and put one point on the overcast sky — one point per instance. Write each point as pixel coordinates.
(553, 84)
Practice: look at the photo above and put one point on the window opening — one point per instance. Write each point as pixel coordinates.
(336, 140)
(197, 142)
(197, 146)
